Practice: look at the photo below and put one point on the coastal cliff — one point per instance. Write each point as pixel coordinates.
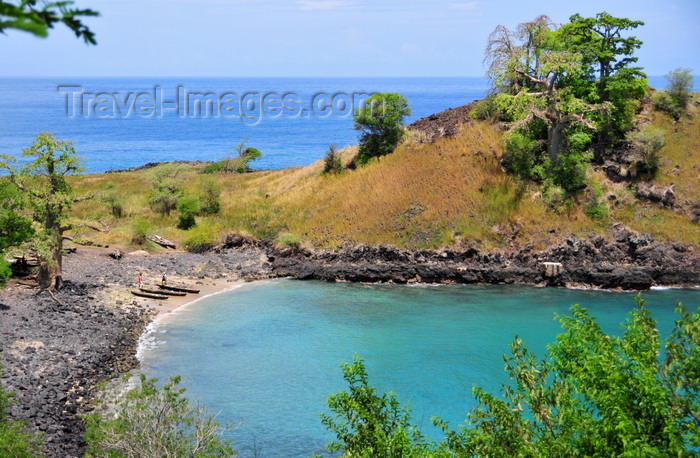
(626, 260)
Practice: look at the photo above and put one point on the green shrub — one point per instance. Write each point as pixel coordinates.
(215, 167)
(553, 195)
(209, 201)
(332, 163)
(188, 207)
(367, 424)
(113, 201)
(289, 239)
(647, 143)
(570, 173)
(674, 100)
(662, 101)
(139, 232)
(238, 163)
(680, 89)
(520, 156)
(203, 238)
(595, 208)
(164, 200)
(485, 109)
(148, 421)
(14, 441)
(5, 271)
(166, 188)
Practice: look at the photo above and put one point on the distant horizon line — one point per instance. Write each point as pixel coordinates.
(233, 76)
(262, 76)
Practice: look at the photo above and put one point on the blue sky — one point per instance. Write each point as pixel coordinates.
(329, 38)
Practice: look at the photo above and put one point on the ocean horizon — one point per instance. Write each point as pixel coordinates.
(117, 123)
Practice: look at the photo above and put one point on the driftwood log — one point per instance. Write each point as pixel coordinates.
(161, 241)
(84, 242)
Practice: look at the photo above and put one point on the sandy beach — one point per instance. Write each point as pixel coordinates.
(207, 287)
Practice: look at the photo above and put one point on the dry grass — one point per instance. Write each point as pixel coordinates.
(451, 192)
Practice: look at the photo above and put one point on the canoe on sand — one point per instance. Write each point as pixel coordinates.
(179, 289)
(148, 295)
(166, 292)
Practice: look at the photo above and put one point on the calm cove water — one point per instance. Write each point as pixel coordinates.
(267, 354)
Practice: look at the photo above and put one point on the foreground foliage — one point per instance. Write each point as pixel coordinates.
(15, 229)
(152, 421)
(593, 395)
(367, 424)
(37, 17)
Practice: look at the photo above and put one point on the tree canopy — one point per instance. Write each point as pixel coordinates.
(43, 183)
(561, 90)
(37, 17)
(380, 120)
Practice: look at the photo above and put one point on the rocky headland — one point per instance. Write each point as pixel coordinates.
(625, 260)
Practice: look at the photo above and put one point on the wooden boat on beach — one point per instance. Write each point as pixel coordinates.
(149, 295)
(179, 289)
(163, 291)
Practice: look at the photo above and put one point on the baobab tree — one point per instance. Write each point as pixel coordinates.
(49, 195)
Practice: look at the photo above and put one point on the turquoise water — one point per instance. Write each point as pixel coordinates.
(267, 354)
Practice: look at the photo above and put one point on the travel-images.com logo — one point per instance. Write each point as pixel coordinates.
(249, 107)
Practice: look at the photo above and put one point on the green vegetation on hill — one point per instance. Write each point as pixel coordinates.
(564, 93)
(450, 192)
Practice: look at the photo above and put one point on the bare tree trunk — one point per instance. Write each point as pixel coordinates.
(555, 140)
(50, 270)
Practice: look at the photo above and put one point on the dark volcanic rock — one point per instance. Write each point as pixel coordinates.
(55, 355)
(665, 196)
(443, 124)
(625, 260)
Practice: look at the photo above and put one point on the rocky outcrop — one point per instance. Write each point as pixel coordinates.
(443, 124)
(626, 260)
(665, 196)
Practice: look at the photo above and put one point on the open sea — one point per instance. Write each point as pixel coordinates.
(124, 122)
(266, 355)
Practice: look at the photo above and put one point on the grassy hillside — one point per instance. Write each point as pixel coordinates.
(451, 192)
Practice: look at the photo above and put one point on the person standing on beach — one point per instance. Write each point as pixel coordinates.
(139, 280)
(164, 280)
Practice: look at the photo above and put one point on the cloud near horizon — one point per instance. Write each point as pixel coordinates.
(312, 5)
(469, 6)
